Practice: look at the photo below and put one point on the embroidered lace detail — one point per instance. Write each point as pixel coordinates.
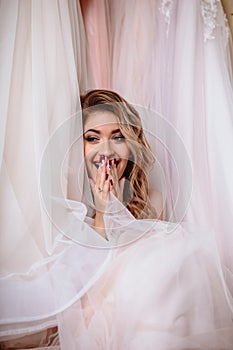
(210, 12)
(165, 9)
(225, 28)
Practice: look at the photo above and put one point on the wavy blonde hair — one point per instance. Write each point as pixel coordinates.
(136, 194)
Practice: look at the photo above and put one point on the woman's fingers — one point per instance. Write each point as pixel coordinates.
(100, 188)
(100, 177)
(106, 186)
(106, 181)
(92, 183)
(113, 173)
(113, 179)
(116, 187)
(102, 174)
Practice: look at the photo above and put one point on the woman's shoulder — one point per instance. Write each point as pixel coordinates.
(157, 201)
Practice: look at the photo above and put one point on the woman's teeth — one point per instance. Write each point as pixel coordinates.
(110, 162)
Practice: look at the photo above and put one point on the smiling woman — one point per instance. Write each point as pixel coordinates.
(133, 282)
(117, 155)
(162, 285)
(104, 143)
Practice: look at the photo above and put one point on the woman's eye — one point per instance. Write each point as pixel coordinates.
(119, 138)
(91, 138)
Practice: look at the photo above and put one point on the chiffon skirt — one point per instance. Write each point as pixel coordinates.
(165, 290)
(157, 286)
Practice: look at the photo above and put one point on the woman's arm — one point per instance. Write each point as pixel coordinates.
(98, 224)
(106, 182)
(156, 200)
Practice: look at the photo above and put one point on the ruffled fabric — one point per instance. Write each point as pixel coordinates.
(152, 284)
(175, 57)
(43, 70)
(165, 290)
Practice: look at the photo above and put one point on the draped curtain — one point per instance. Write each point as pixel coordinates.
(172, 57)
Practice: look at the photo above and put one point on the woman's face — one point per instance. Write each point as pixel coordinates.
(103, 140)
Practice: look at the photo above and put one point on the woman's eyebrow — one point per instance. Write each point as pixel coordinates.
(92, 130)
(99, 132)
(115, 131)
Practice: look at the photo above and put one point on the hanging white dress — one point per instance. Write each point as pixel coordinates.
(179, 63)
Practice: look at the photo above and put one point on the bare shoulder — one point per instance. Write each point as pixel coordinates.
(156, 199)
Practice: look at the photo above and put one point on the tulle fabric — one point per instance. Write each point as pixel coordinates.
(179, 63)
(97, 22)
(42, 71)
(204, 118)
(164, 291)
(170, 285)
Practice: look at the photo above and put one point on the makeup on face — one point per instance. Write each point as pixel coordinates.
(104, 144)
(109, 162)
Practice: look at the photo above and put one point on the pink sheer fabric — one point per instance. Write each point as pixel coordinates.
(201, 110)
(172, 287)
(153, 295)
(179, 63)
(42, 70)
(97, 24)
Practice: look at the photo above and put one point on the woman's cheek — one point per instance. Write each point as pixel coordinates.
(87, 149)
(123, 151)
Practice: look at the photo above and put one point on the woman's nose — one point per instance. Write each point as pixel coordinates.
(106, 149)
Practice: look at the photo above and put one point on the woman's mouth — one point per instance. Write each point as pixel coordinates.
(109, 162)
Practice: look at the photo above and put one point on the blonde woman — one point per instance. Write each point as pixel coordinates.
(127, 279)
(117, 155)
(162, 291)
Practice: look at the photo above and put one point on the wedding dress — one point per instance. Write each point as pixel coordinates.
(164, 291)
(153, 284)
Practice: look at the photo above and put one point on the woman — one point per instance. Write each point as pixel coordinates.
(116, 150)
(158, 285)
(163, 291)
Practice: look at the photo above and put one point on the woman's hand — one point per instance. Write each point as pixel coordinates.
(106, 182)
(116, 187)
(100, 188)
